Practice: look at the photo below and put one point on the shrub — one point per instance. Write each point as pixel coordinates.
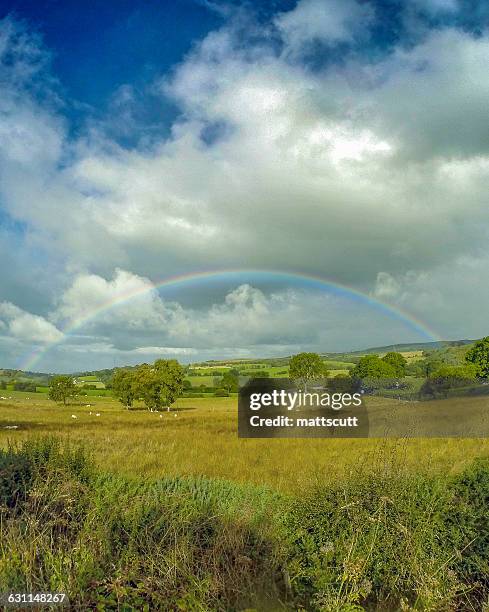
(221, 393)
(447, 378)
(372, 366)
(24, 386)
(380, 542)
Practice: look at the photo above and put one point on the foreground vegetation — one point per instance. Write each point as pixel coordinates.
(384, 539)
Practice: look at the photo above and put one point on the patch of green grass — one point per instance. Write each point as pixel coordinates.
(197, 381)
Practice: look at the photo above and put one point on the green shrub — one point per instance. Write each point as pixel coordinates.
(466, 517)
(447, 378)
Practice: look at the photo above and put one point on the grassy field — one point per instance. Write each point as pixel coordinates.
(177, 513)
(194, 439)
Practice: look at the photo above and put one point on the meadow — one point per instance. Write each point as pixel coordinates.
(198, 433)
(138, 510)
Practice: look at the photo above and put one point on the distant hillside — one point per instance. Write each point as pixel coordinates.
(401, 348)
(105, 375)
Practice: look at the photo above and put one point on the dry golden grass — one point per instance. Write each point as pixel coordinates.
(202, 440)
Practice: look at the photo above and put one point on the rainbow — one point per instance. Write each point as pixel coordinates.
(240, 276)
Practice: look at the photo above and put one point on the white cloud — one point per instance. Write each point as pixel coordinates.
(244, 318)
(328, 21)
(371, 173)
(386, 286)
(24, 326)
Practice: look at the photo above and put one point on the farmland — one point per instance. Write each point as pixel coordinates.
(161, 521)
(137, 442)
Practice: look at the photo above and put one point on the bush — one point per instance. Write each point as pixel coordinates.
(447, 378)
(24, 386)
(466, 517)
(372, 366)
(221, 393)
(391, 541)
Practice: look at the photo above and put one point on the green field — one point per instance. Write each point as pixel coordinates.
(177, 513)
(194, 442)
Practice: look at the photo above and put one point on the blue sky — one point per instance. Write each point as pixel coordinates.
(345, 139)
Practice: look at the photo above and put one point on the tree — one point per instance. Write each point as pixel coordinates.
(171, 375)
(307, 366)
(479, 356)
(159, 384)
(229, 381)
(61, 388)
(449, 377)
(124, 387)
(397, 361)
(372, 366)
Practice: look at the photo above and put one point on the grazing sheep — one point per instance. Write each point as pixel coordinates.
(98, 414)
(73, 416)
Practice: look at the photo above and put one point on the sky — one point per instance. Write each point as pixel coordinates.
(345, 140)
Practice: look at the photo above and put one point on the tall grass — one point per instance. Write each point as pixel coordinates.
(387, 539)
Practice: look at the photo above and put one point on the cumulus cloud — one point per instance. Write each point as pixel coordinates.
(329, 22)
(371, 172)
(21, 325)
(244, 318)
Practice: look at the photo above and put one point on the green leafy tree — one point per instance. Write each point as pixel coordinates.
(171, 375)
(305, 367)
(159, 384)
(229, 382)
(397, 361)
(424, 367)
(62, 388)
(372, 366)
(124, 387)
(478, 355)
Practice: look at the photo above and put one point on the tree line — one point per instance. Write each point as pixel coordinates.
(160, 384)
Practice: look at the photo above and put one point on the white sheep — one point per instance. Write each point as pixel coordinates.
(73, 416)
